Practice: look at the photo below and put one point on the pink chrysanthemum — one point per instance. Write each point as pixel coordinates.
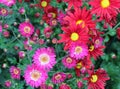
(45, 58)
(35, 76)
(69, 62)
(8, 3)
(15, 72)
(78, 51)
(58, 77)
(26, 29)
(3, 12)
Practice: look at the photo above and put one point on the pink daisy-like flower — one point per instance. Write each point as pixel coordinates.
(35, 76)
(15, 72)
(45, 58)
(26, 29)
(58, 77)
(3, 12)
(8, 3)
(78, 51)
(69, 62)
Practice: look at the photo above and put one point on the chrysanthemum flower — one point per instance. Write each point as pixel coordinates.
(64, 86)
(8, 3)
(74, 3)
(43, 4)
(97, 79)
(26, 29)
(45, 58)
(69, 62)
(73, 34)
(97, 41)
(3, 12)
(95, 52)
(82, 66)
(105, 9)
(58, 77)
(15, 72)
(78, 51)
(50, 14)
(35, 76)
(81, 17)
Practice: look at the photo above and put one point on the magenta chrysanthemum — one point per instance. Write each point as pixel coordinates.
(45, 58)
(69, 62)
(8, 3)
(26, 29)
(58, 77)
(78, 51)
(35, 76)
(15, 72)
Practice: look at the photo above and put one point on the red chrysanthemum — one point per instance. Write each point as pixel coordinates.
(50, 14)
(74, 3)
(106, 9)
(82, 66)
(97, 79)
(43, 4)
(81, 17)
(73, 34)
(95, 52)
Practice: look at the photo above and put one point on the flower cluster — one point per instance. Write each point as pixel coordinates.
(51, 43)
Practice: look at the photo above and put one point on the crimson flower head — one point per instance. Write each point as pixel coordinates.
(50, 14)
(105, 9)
(97, 79)
(81, 17)
(73, 34)
(44, 4)
(74, 3)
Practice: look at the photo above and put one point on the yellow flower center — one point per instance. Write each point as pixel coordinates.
(15, 71)
(44, 3)
(105, 3)
(3, 11)
(69, 60)
(91, 48)
(94, 78)
(35, 75)
(8, 0)
(79, 65)
(27, 29)
(44, 59)
(74, 36)
(58, 77)
(53, 15)
(80, 22)
(78, 49)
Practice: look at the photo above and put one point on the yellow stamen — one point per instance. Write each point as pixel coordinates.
(78, 49)
(27, 29)
(69, 60)
(3, 11)
(105, 3)
(74, 36)
(58, 77)
(94, 78)
(44, 3)
(80, 22)
(15, 71)
(35, 75)
(79, 65)
(91, 48)
(44, 59)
